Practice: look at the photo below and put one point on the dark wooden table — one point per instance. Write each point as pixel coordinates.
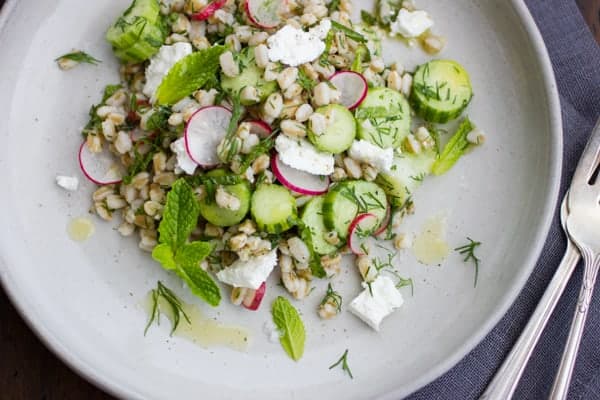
(29, 371)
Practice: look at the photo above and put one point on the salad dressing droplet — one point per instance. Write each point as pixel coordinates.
(80, 229)
(430, 246)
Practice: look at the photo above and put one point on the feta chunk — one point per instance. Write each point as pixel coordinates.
(377, 302)
(69, 183)
(411, 24)
(301, 154)
(184, 162)
(293, 46)
(161, 63)
(249, 274)
(367, 152)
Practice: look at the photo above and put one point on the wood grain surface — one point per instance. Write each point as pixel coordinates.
(29, 371)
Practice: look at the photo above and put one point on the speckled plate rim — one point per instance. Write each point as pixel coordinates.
(85, 369)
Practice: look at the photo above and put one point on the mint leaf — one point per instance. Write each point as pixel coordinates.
(200, 283)
(454, 149)
(191, 254)
(164, 255)
(189, 74)
(180, 215)
(288, 322)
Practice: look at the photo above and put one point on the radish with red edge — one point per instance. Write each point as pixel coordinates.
(204, 132)
(209, 10)
(263, 13)
(253, 298)
(100, 168)
(260, 128)
(352, 86)
(298, 181)
(359, 231)
(385, 222)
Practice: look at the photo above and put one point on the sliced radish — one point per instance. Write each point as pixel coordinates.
(263, 13)
(100, 168)
(298, 181)
(204, 131)
(209, 10)
(253, 298)
(385, 222)
(360, 231)
(353, 87)
(260, 128)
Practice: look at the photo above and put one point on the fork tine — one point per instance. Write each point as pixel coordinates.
(589, 160)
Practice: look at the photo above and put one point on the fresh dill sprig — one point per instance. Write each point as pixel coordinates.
(332, 296)
(79, 57)
(174, 303)
(468, 250)
(344, 361)
(230, 146)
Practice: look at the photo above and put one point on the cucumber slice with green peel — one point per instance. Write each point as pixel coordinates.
(144, 48)
(273, 208)
(383, 118)
(405, 176)
(340, 131)
(313, 232)
(250, 75)
(441, 91)
(223, 217)
(348, 199)
(128, 28)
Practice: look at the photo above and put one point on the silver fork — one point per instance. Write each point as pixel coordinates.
(507, 377)
(583, 225)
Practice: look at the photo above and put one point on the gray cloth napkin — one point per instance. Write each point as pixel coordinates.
(576, 60)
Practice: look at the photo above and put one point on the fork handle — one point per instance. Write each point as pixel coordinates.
(507, 377)
(560, 388)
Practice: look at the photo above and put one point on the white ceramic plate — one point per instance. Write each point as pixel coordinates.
(83, 299)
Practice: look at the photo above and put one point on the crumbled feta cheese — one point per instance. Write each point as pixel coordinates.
(367, 152)
(69, 183)
(411, 24)
(249, 274)
(377, 302)
(184, 162)
(301, 154)
(321, 30)
(271, 331)
(293, 46)
(161, 63)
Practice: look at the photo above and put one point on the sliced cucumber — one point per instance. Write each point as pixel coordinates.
(250, 75)
(218, 216)
(441, 91)
(405, 176)
(313, 232)
(340, 131)
(347, 199)
(144, 48)
(383, 118)
(273, 208)
(127, 29)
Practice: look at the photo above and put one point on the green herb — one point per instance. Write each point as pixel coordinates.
(80, 57)
(351, 34)
(402, 282)
(304, 81)
(163, 292)
(332, 297)
(360, 55)
(454, 149)
(368, 18)
(468, 250)
(159, 120)
(288, 322)
(189, 74)
(174, 252)
(323, 60)
(140, 163)
(263, 147)
(230, 145)
(365, 203)
(344, 361)
(333, 5)
(94, 123)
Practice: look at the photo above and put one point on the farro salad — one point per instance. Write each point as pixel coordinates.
(248, 136)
